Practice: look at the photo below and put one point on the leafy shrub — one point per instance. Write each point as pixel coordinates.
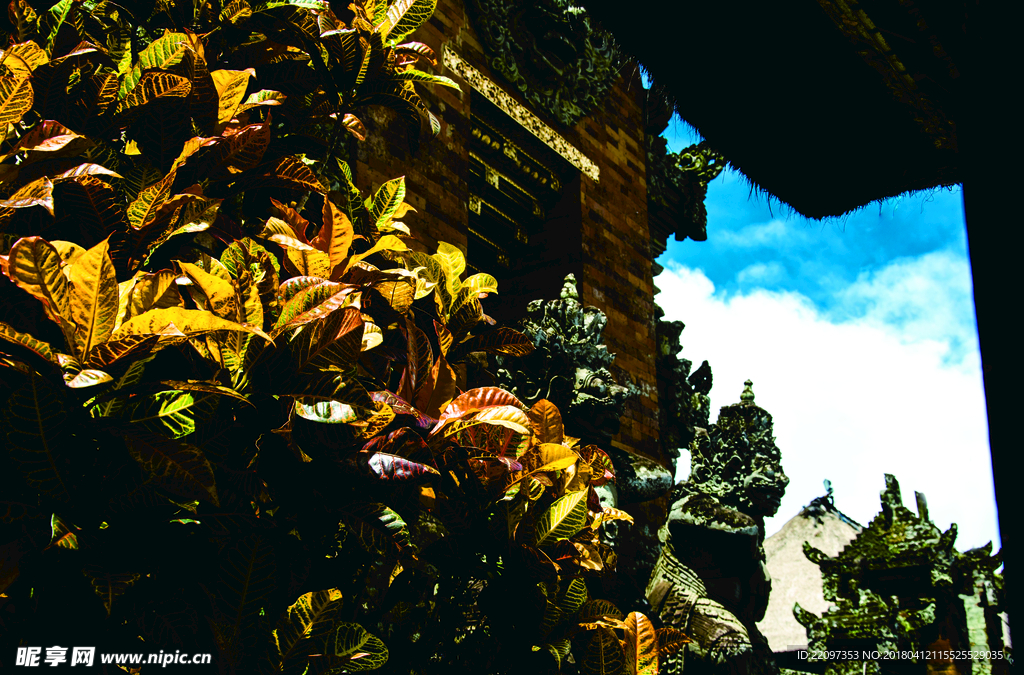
(229, 382)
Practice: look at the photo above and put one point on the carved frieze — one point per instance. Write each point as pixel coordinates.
(550, 52)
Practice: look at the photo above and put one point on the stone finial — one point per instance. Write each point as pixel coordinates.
(748, 392)
(569, 288)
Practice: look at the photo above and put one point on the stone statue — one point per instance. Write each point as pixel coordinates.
(710, 580)
(568, 366)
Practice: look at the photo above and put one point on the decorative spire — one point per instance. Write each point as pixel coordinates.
(569, 291)
(748, 393)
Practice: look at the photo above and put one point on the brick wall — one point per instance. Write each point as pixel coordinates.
(615, 260)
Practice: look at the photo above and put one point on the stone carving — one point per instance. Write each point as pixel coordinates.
(499, 97)
(715, 535)
(683, 403)
(900, 585)
(569, 366)
(678, 183)
(736, 460)
(549, 51)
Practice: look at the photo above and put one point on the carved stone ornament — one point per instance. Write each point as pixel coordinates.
(736, 459)
(549, 51)
(901, 585)
(712, 554)
(569, 366)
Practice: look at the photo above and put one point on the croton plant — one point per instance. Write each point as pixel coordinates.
(233, 414)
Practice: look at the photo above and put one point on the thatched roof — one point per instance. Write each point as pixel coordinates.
(794, 577)
(825, 105)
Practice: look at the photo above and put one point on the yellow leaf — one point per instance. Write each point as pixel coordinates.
(143, 210)
(153, 291)
(183, 321)
(34, 265)
(16, 99)
(388, 242)
(641, 644)
(546, 421)
(21, 59)
(219, 293)
(549, 457)
(335, 237)
(453, 263)
(94, 298)
(231, 86)
(310, 263)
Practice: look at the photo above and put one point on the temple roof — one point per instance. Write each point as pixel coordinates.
(826, 106)
(795, 579)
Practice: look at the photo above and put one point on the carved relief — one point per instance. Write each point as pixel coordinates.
(499, 97)
(548, 50)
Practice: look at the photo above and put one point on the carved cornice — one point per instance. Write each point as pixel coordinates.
(514, 109)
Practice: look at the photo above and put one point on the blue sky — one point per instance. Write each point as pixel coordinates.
(860, 337)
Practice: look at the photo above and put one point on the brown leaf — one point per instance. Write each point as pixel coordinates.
(335, 237)
(546, 422)
(37, 193)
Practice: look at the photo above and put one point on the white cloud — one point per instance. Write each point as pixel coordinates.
(876, 392)
(758, 234)
(925, 297)
(762, 273)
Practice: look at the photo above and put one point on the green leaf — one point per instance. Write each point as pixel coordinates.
(55, 18)
(405, 16)
(386, 201)
(153, 86)
(349, 649)
(315, 302)
(144, 209)
(378, 528)
(574, 597)
(35, 422)
(167, 412)
(62, 534)
(306, 625)
(161, 54)
(480, 283)
(420, 76)
(174, 466)
(566, 517)
(595, 609)
(94, 298)
(25, 341)
(235, 12)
